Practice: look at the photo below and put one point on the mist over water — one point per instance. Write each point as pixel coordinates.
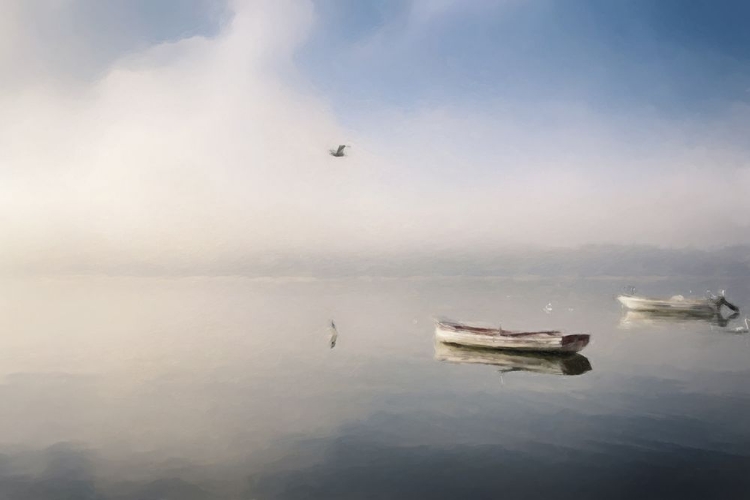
(227, 388)
(198, 147)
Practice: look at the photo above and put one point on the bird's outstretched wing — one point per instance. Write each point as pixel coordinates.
(340, 151)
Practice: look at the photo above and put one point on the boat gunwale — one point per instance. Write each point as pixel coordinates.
(496, 332)
(672, 301)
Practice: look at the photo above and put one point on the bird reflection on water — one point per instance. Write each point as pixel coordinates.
(334, 334)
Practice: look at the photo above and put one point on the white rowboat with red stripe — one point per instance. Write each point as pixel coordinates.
(551, 341)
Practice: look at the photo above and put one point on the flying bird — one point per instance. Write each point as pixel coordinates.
(338, 152)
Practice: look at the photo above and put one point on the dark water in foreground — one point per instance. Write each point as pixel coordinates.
(227, 389)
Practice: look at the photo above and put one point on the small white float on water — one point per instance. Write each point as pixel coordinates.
(743, 329)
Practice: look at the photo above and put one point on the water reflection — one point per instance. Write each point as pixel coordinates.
(170, 389)
(634, 319)
(333, 334)
(69, 471)
(571, 364)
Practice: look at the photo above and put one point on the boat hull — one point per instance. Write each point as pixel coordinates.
(703, 307)
(546, 342)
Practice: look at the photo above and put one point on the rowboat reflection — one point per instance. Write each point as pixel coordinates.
(633, 319)
(552, 364)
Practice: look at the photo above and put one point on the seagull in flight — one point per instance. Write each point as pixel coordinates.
(338, 152)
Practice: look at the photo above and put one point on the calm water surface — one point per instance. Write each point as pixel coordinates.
(137, 388)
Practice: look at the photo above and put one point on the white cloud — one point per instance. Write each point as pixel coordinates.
(210, 149)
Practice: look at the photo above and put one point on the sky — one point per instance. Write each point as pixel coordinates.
(186, 132)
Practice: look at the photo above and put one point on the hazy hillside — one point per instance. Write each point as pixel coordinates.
(584, 261)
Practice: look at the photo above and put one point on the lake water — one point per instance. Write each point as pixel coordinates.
(141, 388)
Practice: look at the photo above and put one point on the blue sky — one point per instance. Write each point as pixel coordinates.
(136, 129)
(677, 57)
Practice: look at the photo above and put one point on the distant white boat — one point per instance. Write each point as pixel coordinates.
(566, 364)
(450, 332)
(677, 304)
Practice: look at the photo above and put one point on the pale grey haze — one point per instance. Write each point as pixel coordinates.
(202, 140)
